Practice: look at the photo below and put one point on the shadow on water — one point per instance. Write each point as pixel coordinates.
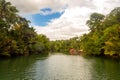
(105, 69)
(17, 68)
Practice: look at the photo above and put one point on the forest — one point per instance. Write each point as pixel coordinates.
(103, 38)
(18, 38)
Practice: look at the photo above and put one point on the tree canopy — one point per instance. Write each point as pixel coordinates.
(104, 37)
(16, 37)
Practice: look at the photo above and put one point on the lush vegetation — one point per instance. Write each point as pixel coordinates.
(65, 45)
(102, 39)
(16, 37)
(104, 35)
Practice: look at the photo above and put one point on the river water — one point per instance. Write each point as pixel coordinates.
(59, 67)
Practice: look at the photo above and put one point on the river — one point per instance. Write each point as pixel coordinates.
(59, 67)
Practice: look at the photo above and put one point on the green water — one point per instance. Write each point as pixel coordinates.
(59, 67)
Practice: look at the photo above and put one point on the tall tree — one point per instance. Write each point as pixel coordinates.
(95, 21)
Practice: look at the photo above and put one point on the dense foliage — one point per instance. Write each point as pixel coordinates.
(104, 35)
(102, 39)
(65, 45)
(16, 37)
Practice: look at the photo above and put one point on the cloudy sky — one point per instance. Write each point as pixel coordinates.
(62, 19)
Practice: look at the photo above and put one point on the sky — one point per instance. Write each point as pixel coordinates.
(62, 19)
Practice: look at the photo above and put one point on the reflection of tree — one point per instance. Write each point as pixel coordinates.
(105, 69)
(18, 68)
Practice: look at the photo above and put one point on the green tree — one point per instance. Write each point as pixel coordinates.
(112, 40)
(16, 37)
(95, 22)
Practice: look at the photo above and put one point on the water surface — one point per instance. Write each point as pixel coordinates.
(59, 67)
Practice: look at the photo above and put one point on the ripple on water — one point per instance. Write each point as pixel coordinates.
(60, 67)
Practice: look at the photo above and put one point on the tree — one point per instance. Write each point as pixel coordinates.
(112, 18)
(112, 40)
(16, 37)
(104, 37)
(95, 21)
(42, 44)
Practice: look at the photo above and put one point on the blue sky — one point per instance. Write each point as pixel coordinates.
(62, 19)
(42, 20)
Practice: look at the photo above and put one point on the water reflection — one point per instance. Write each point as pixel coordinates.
(59, 67)
(19, 68)
(105, 69)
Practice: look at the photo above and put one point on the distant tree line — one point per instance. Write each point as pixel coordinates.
(65, 45)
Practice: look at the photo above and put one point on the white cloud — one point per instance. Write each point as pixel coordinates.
(72, 22)
(105, 6)
(34, 6)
